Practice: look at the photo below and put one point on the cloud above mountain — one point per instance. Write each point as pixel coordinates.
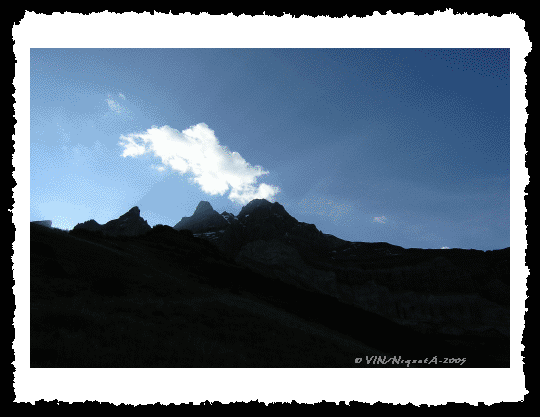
(197, 151)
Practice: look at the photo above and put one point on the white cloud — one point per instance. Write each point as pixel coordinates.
(445, 247)
(380, 219)
(132, 148)
(197, 151)
(122, 96)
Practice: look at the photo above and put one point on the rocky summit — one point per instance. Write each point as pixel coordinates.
(90, 225)
(128, 224)
(204, 219)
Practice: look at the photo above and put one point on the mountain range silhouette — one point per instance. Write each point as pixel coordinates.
(262, 265)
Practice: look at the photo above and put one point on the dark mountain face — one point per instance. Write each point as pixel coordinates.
(259, 206)
(204, 219)
(451, 291)
(128, 224)
(203, 208)
(399, 301)
(90, 225)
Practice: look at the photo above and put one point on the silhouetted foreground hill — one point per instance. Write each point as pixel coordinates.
(170, 299)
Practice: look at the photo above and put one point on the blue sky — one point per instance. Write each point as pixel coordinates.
(406, 146)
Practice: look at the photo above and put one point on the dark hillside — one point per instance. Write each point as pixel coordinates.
(169, 299)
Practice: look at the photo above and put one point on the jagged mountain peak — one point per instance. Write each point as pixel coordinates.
(258, 202)
(203, 207)
(91, 225)
(133, 212)
(128, 224)
(262, 204)
(131, 223)
(204, 218)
